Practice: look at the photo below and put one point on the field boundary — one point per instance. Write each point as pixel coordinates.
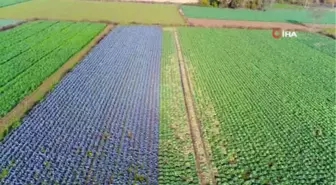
(19, 111)
(220, 23)
(189, 23)
(202, 161)
(107, 22)
(7, 27)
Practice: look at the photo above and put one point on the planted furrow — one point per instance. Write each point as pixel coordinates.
(31, 42)
(20, 33)
(38, 53)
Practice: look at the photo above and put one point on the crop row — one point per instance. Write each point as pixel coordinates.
(13, 48)
(266, 105)
(24, 68)
(176, 155)
(100, 123)
(13, 36)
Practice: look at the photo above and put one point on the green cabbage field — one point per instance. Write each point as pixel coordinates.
(28, 57)
(267, 106)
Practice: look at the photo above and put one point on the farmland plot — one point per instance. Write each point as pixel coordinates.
(176, 155)
(33, 51)
(267, 106)
(77, 10)
(100, 123)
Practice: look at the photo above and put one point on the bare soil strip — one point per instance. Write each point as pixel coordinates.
(29, 101)
(255, 25)
(3, 28)
(203, 164)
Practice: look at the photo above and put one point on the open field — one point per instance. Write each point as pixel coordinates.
(33, 51)
(95, 11)
(272, 15)
(4, 3)
(268, 118)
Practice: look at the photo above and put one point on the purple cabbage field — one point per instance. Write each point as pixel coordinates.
(99, 125)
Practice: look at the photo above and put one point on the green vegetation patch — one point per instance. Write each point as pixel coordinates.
(271, 15)
(33, 51)
(176, 155)
(267, 106)
(95, 11)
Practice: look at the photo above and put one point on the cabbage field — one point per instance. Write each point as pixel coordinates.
(33, 51)
(100, 124)
(267, 106)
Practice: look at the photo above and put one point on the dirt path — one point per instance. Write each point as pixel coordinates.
(203, 164)
(254, 24)
(29, 101)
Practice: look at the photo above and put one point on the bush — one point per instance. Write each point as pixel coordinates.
(214, 3)
(205, 2)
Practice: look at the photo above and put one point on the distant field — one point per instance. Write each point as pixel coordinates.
(95, 11)
(4, 3)
(267, 106)
(33, 51)
(272, 15)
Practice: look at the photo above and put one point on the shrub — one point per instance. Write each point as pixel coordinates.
(214, 3)
(205, 2)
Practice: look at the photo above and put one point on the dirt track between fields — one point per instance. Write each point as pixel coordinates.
(255, 25)
(203, 164)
